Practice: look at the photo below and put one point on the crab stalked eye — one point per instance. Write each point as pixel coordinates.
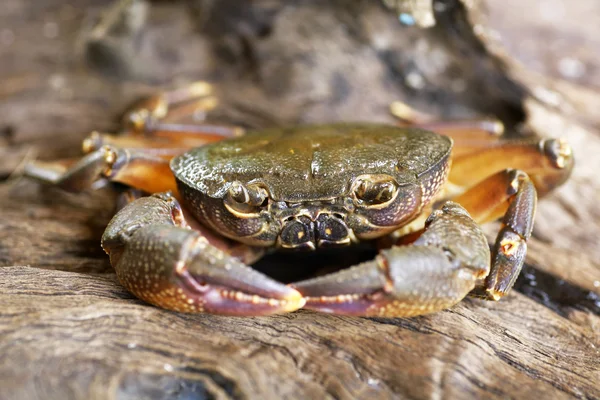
(374, 189)
(245, 199)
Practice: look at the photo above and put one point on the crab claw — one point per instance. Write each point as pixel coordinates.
(400, 282)
(179, 269)
(440, 269)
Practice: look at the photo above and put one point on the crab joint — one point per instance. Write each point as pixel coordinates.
(509, 247)
(558, 151)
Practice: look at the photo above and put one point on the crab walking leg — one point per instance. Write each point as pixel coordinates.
(468, 135)
(475, 130)
(141, 171)
(158, 115)
(438, 270)
(479, 149)
(509, 193)
(160, 106)
(163, 147)
(162, 261)
(548, 162)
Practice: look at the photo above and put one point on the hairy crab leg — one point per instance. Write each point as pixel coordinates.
(438, 270)
(163, 262)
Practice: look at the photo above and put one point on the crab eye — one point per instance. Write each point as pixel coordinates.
(245, 199)
(374, 189)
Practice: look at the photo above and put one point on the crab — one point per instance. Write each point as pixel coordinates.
(210, 200)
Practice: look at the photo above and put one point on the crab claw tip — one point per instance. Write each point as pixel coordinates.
(237, 290)
(220, 300)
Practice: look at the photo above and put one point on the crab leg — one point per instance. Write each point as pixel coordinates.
(159, 115)
(142, 171)
(162, 261)
(165, 147)
(548, 162)
(163, 105)
(478, 131)
(139, 157)
(509, 193)
(438, 270)
(480, 151)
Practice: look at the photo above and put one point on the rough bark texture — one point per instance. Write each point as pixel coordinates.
(68, 329)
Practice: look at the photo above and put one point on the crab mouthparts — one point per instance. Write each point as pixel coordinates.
(305, 233)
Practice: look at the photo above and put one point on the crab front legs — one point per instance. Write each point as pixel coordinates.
(161, 260)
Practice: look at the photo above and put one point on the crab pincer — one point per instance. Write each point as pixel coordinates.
(438, 270)
(162, 261)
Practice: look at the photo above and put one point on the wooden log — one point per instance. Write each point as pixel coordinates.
(69, 330)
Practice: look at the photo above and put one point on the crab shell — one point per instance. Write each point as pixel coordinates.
(313, 186)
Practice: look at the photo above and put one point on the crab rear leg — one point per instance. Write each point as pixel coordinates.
(162, 261)
(144, 164)
(148, 173)
(161, 115)
(548, 162)
(480, 150)
(139, 157)
(474, 131)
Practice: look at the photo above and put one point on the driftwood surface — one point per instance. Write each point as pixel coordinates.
(69, 330)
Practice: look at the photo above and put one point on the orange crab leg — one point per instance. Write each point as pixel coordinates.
(148, 173)
(140, 157)
(165, 147)
(549, 162)
(161, 115)
(480, 151)
(165, 105)
(468, 135)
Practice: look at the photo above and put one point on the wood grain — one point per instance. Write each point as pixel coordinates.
(68, 330)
